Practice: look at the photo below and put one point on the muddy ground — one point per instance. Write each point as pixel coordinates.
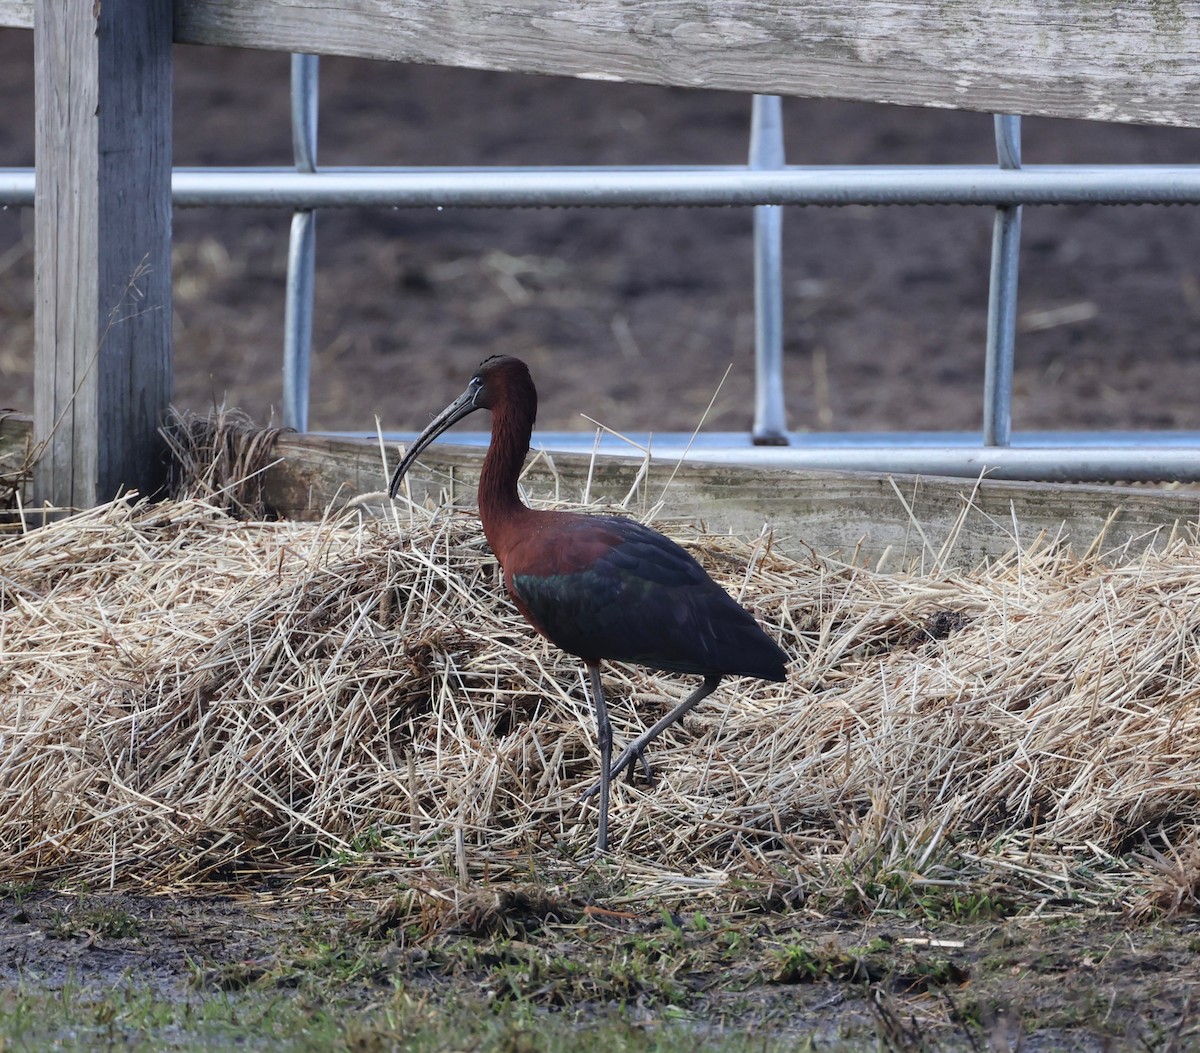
(1070, 982)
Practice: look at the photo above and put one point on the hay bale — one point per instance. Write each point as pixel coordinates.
(187, 696)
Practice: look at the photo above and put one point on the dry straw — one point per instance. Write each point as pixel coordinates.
(16, 469)
(187, 697)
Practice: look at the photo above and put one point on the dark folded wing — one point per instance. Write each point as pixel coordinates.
(639, 597)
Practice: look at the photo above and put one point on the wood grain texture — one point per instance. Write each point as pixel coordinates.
(898, 520)
(102, 215)
(1113, 60)
(16, 14)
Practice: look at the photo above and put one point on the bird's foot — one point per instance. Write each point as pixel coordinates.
(623, 762)
(647, 771)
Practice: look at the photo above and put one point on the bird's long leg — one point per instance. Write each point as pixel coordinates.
(638, 746)
(604, 736)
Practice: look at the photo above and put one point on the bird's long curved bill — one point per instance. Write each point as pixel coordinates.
(459, 408)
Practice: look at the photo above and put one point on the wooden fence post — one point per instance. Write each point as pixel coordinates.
(102, 368)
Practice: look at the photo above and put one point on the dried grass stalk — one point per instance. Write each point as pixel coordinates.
(219, 458)
(16, 470)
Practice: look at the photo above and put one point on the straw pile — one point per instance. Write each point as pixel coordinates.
(184, 696)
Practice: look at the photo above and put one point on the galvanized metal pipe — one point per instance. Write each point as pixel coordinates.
(1002, 298)
(667, 444)
(302, 250)
(297, 320)
(1045, 464)
(880, 185)
(306, 70)
(767, 154)
(1044, 457)
(668, 186)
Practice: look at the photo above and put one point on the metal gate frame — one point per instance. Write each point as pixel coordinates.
(766, 182)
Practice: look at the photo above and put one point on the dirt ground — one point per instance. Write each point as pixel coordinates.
(632, 316)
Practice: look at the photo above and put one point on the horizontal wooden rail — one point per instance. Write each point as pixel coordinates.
(16, 14)
(1116, 60)
(893, 521)
(1111, 60)
(898, 521)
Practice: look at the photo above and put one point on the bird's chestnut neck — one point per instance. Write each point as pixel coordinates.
(512, 428)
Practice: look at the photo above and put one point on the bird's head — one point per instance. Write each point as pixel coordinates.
(500, 382)
(502, 379)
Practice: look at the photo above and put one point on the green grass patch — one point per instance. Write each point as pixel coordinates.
(79, 1018)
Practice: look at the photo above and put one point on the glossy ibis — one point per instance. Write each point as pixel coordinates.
(600, 587)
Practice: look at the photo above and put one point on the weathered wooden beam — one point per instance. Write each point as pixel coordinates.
(894, 521)
(102, 220)
(899, 520)
(16, 14)
(1108, 60)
